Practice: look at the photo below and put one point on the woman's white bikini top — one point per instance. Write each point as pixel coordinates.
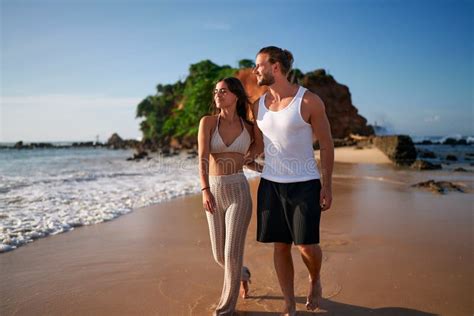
(240, 145)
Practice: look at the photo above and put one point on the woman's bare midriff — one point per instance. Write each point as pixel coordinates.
(225, 164)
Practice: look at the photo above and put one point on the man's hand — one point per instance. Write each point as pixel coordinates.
(325, 198)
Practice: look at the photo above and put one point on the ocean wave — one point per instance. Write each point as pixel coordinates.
(42, 200)
(15, 183)
(441, 139)
(371, 178)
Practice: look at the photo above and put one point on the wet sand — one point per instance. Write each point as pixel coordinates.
(389, 249)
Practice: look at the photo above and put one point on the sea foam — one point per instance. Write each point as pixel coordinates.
(47, 192)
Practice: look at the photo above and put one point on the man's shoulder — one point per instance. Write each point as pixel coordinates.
(312, 100)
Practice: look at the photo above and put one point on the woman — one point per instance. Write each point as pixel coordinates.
(223, 140)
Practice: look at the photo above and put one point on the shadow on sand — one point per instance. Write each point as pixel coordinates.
(332, 308)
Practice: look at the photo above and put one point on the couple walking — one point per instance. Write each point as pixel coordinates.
(290, 194)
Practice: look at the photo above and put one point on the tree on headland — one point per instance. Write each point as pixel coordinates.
(156, 109)
(164, 120)
(246, 63)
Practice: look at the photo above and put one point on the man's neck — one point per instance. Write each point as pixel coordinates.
(281, 89)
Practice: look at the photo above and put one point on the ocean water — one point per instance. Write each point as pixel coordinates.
(50, 191)
(464, 155)
(441, 139)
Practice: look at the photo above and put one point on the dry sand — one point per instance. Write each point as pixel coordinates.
(354, 154)
(388, 250)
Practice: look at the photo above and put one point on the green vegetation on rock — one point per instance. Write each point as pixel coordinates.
(163, 119)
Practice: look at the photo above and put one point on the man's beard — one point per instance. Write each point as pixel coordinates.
(266, 80)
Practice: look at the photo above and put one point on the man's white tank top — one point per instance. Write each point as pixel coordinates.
(288, 140)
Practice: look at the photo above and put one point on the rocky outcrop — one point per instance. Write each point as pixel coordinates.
(426, 142)
(249, 81)
(189, 142)
(439, 187)
(116, 142)
(138, 154)
(342, 114)
(21, 145)
(447, 141)
(425, 165)
(87, 144)
(451, 158)
(398, 148)
(453, 141)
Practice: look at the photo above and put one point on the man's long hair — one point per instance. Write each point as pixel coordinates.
(279, 55)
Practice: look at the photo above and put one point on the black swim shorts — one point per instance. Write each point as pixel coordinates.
(288, 212)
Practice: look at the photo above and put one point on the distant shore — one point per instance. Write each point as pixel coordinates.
(131, 143)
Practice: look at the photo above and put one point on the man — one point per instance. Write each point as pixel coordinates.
(290, 194)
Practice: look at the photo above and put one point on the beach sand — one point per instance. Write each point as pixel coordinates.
(389, 249)
(354, 154)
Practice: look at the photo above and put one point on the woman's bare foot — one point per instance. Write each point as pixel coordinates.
(244, 283)
(244, 289)
(314, 296)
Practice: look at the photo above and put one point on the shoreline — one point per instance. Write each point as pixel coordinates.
(77, 222)
(367, 159)
(157, 260)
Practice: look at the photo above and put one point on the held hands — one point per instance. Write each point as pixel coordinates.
(325, 198)
(208, 201)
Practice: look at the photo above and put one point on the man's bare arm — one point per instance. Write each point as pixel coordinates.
(322, 130)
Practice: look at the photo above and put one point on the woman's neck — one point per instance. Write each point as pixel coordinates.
(229, 116)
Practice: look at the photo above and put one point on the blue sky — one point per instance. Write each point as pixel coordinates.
(71, 70)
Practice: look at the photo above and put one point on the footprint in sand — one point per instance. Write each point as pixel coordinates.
(332, 241)
(337, 245)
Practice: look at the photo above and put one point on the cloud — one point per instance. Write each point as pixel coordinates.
(65, 100)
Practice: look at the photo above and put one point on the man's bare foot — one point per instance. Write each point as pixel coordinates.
(314, 296)
(289, 311)
(244, 289)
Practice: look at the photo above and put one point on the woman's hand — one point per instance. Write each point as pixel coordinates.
(255, 166)
(208, 201)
